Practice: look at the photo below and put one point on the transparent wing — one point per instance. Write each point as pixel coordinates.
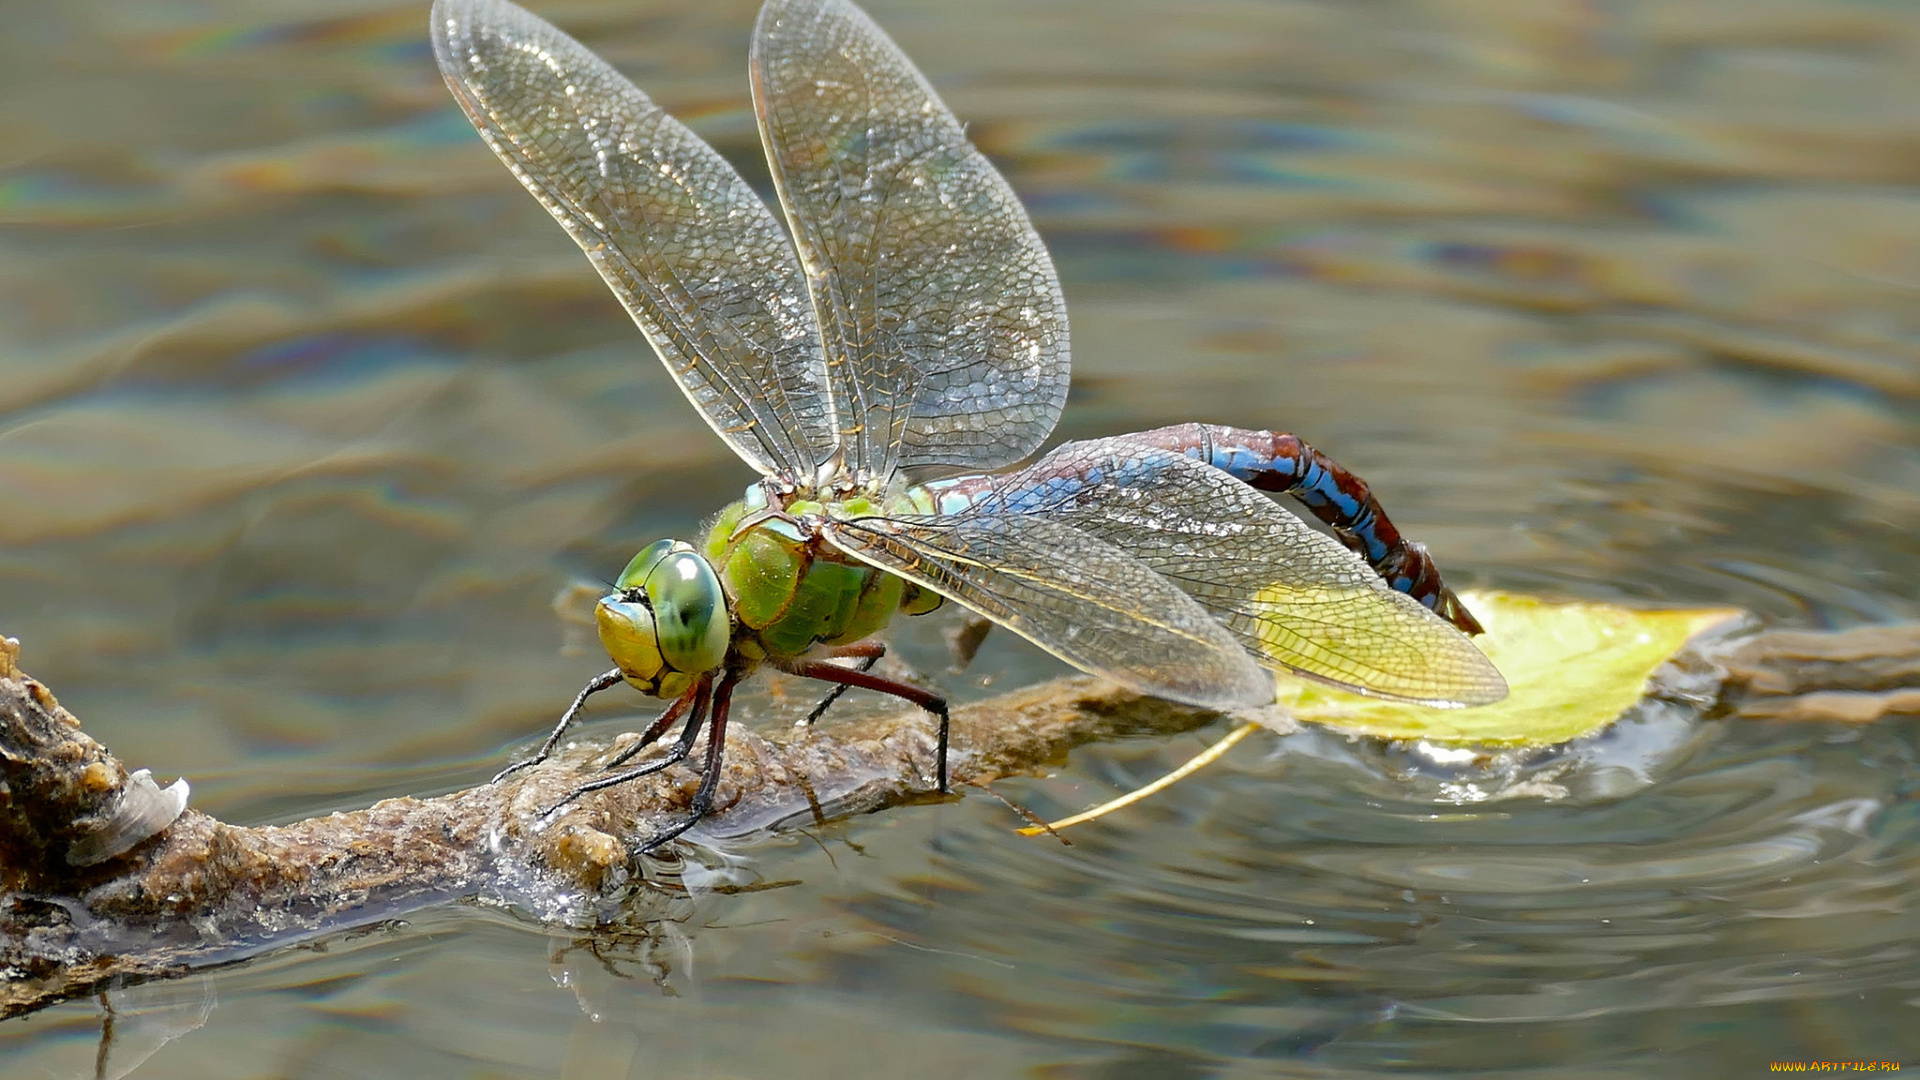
(697, 259)
(945, 331)
(1294, 598)
(1075, 596)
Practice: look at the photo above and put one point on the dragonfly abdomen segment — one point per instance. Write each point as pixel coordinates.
(1268, 460)
(1278, 461)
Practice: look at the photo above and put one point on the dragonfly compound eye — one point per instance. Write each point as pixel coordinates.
(689, 612)
(635, 575)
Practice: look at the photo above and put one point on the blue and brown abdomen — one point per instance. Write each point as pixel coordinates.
(1279, 461)
(1268, 460)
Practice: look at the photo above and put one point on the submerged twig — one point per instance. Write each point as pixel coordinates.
(1855, 676)
(101, 882)
(1145, 791)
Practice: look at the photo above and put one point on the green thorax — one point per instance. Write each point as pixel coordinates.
(790, 590)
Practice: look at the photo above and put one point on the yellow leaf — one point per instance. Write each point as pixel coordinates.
(1571, 668)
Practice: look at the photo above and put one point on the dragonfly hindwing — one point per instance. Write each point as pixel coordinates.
(1293, 597)
(1074, 595)
(944, 326)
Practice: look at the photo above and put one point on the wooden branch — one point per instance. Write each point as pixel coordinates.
(1852, 676)
(201, 891)
(101, 882)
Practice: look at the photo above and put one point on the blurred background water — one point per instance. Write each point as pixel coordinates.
(307, 411)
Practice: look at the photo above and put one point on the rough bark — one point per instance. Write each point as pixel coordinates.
(201, 891)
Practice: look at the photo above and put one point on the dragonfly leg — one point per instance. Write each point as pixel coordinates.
(872, 651)
(1278, 461)
(696, 697)
(710, 773)
(599, 683)
(653, 732)
(926, 699)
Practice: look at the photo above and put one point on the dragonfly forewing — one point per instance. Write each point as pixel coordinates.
(697, 259)
(1294, 598)
(1076, 596)
(944, 327)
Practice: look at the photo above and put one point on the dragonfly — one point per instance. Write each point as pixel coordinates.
(883, 362)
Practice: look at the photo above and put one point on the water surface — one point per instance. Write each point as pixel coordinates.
(307, 412)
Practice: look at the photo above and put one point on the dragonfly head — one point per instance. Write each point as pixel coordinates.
(666, 620)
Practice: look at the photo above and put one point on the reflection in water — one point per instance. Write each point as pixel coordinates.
(308, 412)
(139, 1021)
